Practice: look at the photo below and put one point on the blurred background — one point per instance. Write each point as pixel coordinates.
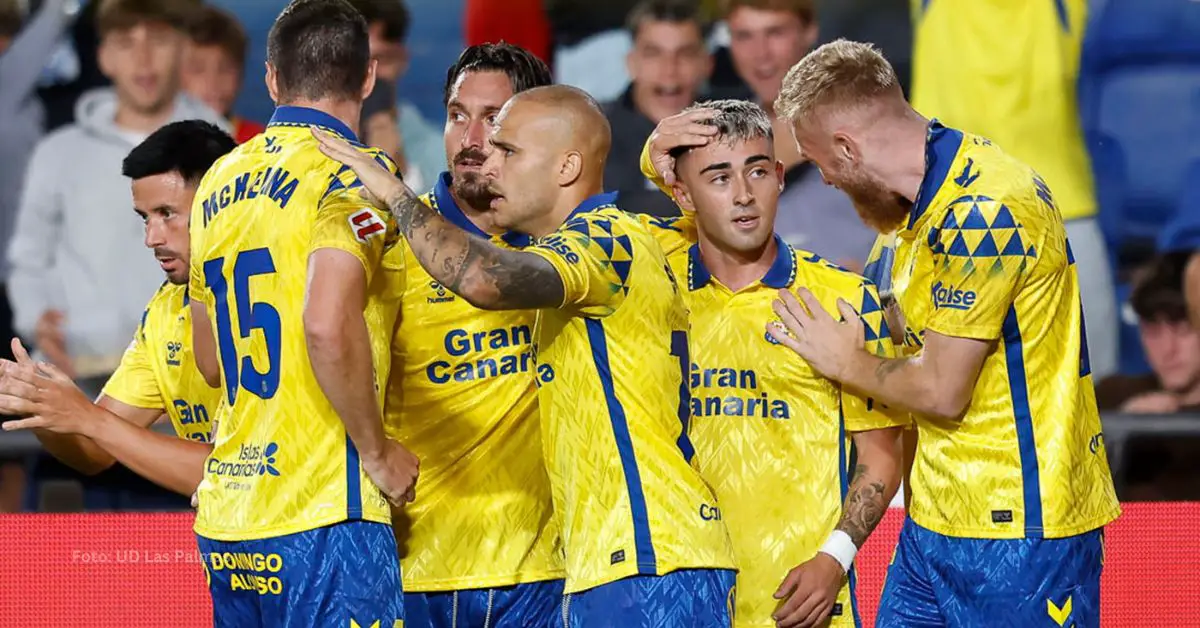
(1101, 97)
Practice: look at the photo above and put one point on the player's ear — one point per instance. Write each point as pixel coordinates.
(272, 81)
(846, 147)
(369, 83)
(570, 169)
(779, 173)
(683, 197)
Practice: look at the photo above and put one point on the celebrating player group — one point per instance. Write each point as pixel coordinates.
(508, 402)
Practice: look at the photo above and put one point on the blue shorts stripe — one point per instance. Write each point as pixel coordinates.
(353, 486)
(646, 560)
(1026, 445)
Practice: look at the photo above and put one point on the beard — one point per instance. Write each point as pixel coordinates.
(878, 207)
(472, 187)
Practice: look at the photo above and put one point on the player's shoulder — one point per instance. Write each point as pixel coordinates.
(674, 234)
(823, 277)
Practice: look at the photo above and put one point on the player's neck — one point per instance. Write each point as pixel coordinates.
(736, 269)
(570, 199)
(904, 138)
(345, 111)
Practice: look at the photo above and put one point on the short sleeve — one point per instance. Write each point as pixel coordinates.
(674, 234)
(593, 258)
(980, 256)
(347, 222)
(861, 413)
(134, 382)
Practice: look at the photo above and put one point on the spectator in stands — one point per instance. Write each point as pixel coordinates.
(1171, 343)
(768, 37)
(23, 54)
(668, 64)
(214, 61)
(78, 281)
(1020, 92)
(417, 148)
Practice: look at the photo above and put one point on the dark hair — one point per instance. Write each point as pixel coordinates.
(189, 147)
(10, 20)
(393, 14)
(524, 70)
(211, 26)
(672, 11)
(319, 49)
(119, 15)
(1158, 292)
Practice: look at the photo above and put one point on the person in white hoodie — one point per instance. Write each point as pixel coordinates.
(77, 284)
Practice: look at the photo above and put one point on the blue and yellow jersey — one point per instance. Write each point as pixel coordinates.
(612, 365)
(772, 436)
(984, 255)
(282, 461)
(462, 398)
(158, 370)
(1016, 86)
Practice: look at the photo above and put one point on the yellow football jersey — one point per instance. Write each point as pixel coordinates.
(158, 370)
(772, 436)
(282, 461)
(462, 398)
(1016, 86)
(984, 255)
(612, 371)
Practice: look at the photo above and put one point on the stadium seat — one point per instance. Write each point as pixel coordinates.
(1140, 108)
(1139, 104)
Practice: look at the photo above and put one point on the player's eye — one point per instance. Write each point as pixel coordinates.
(492, 119)
(758, 173)
(457, 116)
(720, 179)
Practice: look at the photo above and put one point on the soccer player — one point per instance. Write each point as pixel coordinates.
(157, 374)
(290, 284)
(1010, 485)
(479, 545)
(799, 506)
(642, 546)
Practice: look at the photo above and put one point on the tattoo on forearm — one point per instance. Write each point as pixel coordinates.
(887, 367)
(864, 506)
(482, 273)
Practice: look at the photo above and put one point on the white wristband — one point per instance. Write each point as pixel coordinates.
(841, 548)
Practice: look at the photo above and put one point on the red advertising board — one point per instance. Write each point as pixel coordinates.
(143, 570)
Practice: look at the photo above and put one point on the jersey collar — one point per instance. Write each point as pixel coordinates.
(779, 276)
(444, 203)
(594, 202)
(941, 147)
(288, 115)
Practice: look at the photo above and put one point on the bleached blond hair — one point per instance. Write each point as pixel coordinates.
(844, 74)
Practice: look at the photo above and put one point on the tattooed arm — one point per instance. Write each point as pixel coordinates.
(487, 276)
(876, 480)
(939, 381)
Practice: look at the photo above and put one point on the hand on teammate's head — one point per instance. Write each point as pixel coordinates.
(682, 130)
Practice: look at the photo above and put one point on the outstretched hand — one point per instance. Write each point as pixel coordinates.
(380, 186)
(42, 393)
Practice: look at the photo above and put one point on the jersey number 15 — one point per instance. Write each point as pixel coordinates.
(237, 369)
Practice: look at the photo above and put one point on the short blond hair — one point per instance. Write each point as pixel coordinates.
(841, 73)
(806, 10)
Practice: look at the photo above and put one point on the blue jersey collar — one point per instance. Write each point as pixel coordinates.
(288, 115)
(444, 203)
(941, 146)
(779, 276)
(594, 202)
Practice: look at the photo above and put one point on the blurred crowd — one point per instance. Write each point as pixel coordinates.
(1058, 83)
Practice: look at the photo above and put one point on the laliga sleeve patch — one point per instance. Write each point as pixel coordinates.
(366, 225)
